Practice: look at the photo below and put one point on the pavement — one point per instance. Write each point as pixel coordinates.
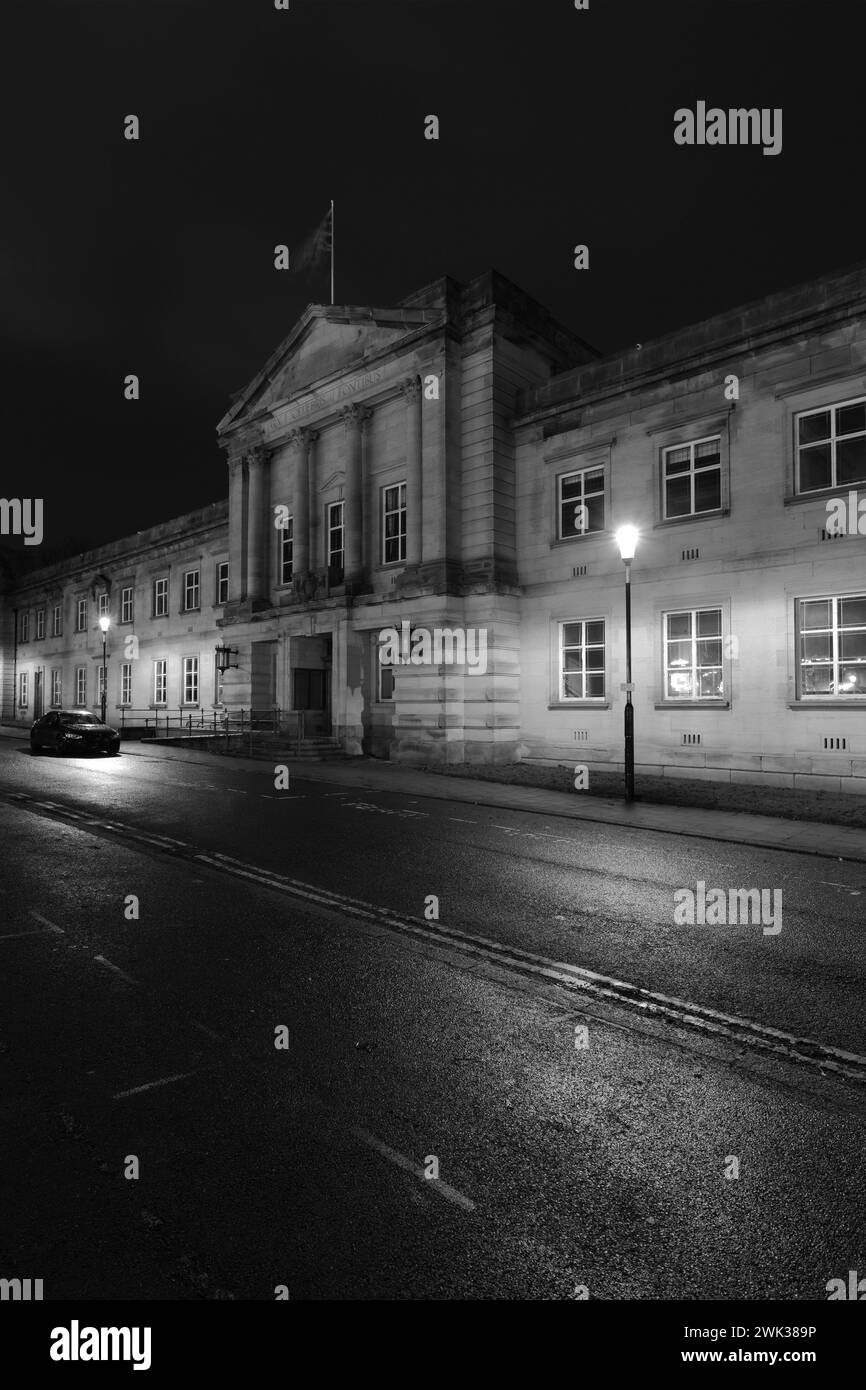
(734, 827)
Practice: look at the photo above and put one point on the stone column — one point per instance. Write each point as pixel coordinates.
(257, 502)
(354, 417)
(412, 393)
(314, 554)
(237, 531)
(300, 506)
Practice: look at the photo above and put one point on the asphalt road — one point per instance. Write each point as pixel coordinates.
(560, 1167)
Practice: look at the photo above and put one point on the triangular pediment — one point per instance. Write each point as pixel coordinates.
(326, 342)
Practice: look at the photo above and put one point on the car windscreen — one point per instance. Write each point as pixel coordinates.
(81, 718)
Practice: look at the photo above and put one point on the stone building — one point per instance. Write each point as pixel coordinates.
(452, 472)
(162, 589)
(734, 447)
(372, 483)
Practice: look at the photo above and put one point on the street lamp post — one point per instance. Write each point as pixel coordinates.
(104, 622)
(626, 538)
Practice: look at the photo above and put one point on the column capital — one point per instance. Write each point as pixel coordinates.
(296, 437)
(257, 455)
(355, 416)
(411, 388)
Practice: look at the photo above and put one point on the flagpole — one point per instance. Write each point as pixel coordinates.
(332, 250)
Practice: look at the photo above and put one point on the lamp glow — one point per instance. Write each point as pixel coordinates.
(626, 539)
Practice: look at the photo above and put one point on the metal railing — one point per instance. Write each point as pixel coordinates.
(218, 723)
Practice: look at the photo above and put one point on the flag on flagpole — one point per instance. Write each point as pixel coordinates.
(312, 253)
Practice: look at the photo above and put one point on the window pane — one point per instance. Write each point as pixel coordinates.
(595, 633)
(679, 625)
(851, 418)
(852, 680)
(851, 460)
(595, 687)
(710, 652)
(710, 623)
(708, 490)
(706, 451)
(711, 687)
(817, 680)
(572, 661)
(595, 510)
(853, 612)
(815, 613)
(679, 685)
(678, 497)
(572, 486)
(595, 659)
(815, 468)
(679, 653)
(814, 427)
(571, 634)
(572, 687)
(677, 461)
(852, 646)
(816, 647)
(594, 482)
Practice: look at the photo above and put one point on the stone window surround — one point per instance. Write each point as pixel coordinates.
(398, 481)
(798, 397)
(678, 433)
(569, 615)
(676, 603)
(793, 597)
(595, 453)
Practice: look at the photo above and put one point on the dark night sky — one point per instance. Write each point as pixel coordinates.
(556, 128)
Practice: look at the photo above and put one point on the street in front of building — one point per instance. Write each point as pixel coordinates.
(330, 1041)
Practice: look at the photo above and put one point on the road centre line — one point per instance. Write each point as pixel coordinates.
(117, 970)
(151, 1085)
(50, 926)
(680, 1013)
(443, 1188)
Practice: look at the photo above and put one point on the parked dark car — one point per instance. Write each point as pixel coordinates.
(73, 731)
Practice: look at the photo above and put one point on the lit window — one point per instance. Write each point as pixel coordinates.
(160, 682)
(102, 606)
(190, 680)
(832, 647)
(693, 655)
